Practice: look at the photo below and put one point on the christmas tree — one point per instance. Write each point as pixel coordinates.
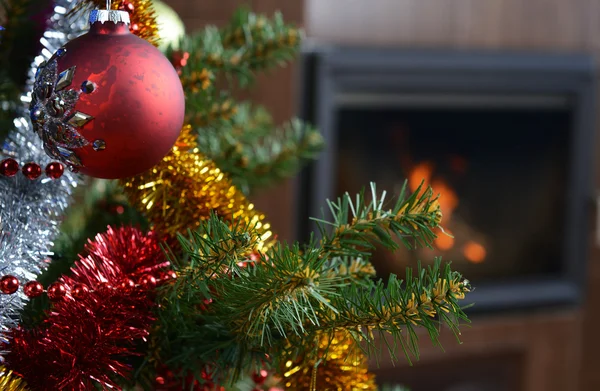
(170, 279)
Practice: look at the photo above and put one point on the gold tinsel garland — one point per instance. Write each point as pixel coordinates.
(10, 382)
(344, 368)
(185, 187)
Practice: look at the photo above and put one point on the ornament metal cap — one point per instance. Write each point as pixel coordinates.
(113, 16)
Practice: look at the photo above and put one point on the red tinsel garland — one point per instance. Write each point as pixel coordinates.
(116, 256)
(85, 341)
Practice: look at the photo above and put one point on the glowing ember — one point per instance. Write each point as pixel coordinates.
(474, 252)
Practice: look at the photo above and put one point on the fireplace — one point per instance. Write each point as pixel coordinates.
(506, 139)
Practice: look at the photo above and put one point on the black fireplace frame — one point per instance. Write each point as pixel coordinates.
(331, 73)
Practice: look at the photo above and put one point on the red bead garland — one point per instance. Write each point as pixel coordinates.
(168, 275)
(9, 284)
(127, 285)
(9, 167)
(57, 291)
(33, 289)
(55, 170)
(147, 281)
(32, 171)
(79, 291)
(105, 286)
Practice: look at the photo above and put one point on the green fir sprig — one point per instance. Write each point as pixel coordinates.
(254, 151)
(250, 42)
(242, 139)
(231, 309)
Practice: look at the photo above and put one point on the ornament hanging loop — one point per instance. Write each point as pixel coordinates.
(108, 4)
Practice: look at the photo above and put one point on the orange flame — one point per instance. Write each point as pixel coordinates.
(424, 172)
(448, 198)
(474, 252)
(421, 172)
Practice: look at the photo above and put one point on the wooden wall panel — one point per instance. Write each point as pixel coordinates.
(542, 363)
(549, 24)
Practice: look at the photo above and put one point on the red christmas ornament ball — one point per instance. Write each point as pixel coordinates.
(32, 171)
(114, 105)
(57, 291)
(9, 167)
(55, 170)
(9, 284)
(33, 289)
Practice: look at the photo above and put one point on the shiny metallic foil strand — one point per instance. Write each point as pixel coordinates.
(142, 16)
(344, 368)
(185, 187)
(11, 382)
(88, 339)
(30, 210)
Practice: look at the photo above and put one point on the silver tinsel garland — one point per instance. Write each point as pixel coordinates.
(31, 210)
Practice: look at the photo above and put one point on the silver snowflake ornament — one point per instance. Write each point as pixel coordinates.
(52, 112)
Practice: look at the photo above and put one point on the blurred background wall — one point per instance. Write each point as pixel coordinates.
(558, 349)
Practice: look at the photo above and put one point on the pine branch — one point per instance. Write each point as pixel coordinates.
(188, 335)
(211, 112)
(261, 42)
(255, 153)
(218, 248)
(242, 140)
(281, 295)
(296, 294)
(425, 300)
(249, 43)
(358, 226)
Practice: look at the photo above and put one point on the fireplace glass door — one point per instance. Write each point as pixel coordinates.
(500, 168)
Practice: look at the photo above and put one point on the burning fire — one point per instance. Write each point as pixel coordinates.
(472, 251)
